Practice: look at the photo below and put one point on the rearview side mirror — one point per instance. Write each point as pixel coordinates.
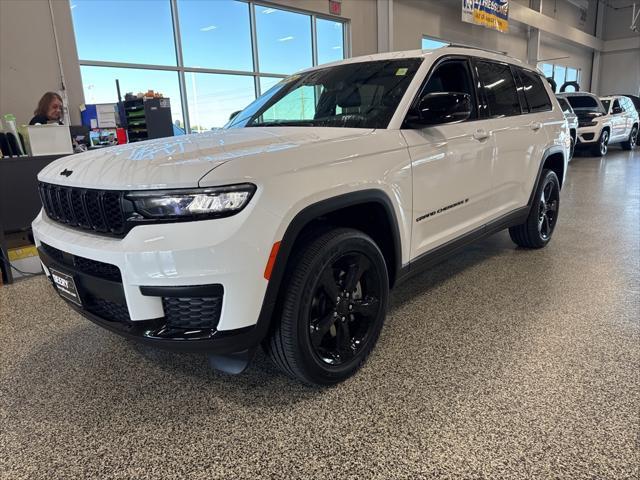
(440, 108)
(233, 115)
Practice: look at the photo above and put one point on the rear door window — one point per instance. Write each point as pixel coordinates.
(499, 89)
(534, 91)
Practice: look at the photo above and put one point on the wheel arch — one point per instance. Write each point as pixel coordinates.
(553, 159)
(335, 211)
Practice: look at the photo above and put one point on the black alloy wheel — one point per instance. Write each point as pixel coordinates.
(538, 228)
(334, 304)
(344, 308)
(548, 210)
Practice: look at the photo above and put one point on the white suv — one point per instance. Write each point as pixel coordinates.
(624, 120)
(599, 126)
(288, 227)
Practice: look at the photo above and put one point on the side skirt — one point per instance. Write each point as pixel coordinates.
(441, 253)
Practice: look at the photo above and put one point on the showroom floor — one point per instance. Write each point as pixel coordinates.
(500, 363)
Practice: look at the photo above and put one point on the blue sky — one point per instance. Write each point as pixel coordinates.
(215, 34)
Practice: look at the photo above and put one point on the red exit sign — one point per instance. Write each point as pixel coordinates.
(335, 7)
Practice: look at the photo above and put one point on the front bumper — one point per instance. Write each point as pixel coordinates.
(588, 135)
(104, 303)
(127, 285)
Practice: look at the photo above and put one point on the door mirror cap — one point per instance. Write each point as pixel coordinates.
(616, 110)
(440, 108)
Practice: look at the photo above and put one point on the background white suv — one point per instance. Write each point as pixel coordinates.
(289, 227)
(624, 120)
(603, 121)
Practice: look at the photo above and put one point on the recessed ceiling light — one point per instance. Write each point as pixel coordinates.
(208, 29)
(337, 47)
(285, 39)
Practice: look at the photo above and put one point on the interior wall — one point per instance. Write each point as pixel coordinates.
(620, 73)
(28, 59)
(620, 69)
(441, 19)
(553, 50)
(580, 14)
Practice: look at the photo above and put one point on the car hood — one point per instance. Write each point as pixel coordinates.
(178, 162)
(586, 115)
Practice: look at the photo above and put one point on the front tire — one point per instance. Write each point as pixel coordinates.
(600, 149)
(537, 230)
(631, 141)
(334, 306)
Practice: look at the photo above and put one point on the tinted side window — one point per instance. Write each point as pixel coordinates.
(564, 105)
(616, 104)
(534, 91)
(499, 89)
(452, 76)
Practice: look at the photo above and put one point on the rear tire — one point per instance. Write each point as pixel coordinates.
(631, 141)
(334, 306)
(601, 147)
(537, 230)
(572, 148)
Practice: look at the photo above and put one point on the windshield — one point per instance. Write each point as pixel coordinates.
(355, 95)
(605, 104)
(584, 103)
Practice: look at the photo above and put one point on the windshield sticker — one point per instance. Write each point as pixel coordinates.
(401, 72)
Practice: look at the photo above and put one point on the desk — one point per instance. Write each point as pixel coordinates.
(19, 199)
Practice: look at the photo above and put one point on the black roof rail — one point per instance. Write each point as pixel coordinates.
(462, 45)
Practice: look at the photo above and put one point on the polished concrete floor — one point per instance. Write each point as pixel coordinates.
(500, 363)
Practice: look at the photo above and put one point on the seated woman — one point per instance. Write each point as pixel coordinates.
(49, 110)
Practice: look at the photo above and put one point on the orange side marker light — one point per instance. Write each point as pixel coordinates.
(272, 260)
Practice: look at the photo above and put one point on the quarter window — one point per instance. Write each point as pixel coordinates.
(499, 89)
(534, 91)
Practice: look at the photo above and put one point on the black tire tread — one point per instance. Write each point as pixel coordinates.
(526, 234)
(595, 149)
(626, 145)
(281, 346)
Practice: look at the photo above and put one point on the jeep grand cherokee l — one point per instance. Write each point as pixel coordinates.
(288, 227)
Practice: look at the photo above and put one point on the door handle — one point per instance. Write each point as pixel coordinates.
(481, 134)
(535, 126)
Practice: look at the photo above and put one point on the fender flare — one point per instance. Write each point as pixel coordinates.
(295, 227)
(547, 153)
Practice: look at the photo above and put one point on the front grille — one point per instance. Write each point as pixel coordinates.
(85, 265)
(192, 312)
(114, 312)
(83, 208)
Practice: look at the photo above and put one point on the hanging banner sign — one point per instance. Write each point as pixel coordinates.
(488, 13)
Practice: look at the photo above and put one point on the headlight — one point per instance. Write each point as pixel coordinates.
(196, 203)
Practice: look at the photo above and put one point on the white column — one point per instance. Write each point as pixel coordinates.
(533, 36)
(385, 25)
(594, 84)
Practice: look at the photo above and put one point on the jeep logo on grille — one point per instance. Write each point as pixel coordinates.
(66, 172)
